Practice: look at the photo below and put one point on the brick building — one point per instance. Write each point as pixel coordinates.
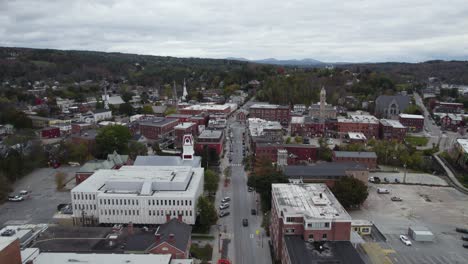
(307, 126)
(296, 152)
(308, 211)
(326, 172)
(158, 128)
(79, 127)
(10, 250)
(50, 132)
(414, 123)
(212, 139)
(366, 124)
(280, 113)
(369, 159)
(392, 130)
(446, 107)
(182, 129)
(88, 138)
(224, 109)
(451, 121)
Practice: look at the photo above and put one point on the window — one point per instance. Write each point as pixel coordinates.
(365, 230)
(149, 212)
(100, 201)
(125, 202)
(94, 207)
(324, 236)
(311, 236)
(190, 202)
(177, 202)
(74, 196)
(149, 202)
(136, 202)
(165, 202)
(327, 224)
(356, 229)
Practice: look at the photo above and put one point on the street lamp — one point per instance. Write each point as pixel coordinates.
(404, 177)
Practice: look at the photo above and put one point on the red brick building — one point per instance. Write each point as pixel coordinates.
(182, 129)
(392, 130)
(296, 152)
(79, 127)
(212, 139)
(306, 126)
(451, 122)
(280, 113)
(10, 250)
(366, 124)
(445, 107)
(50, 132)
(369, 159)
(414, 123)
(310, 211)
(173, 238)
(158, 128)
(88, 138)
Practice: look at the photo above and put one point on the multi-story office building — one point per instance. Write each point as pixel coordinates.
(307, 211)
(414, 123)
(138, 194)
(280, 113)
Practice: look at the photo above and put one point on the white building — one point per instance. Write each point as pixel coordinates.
(102, 114)
(139, 194)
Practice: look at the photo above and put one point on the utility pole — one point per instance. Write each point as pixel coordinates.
(404, 177)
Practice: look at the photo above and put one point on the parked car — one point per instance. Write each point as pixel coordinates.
(382, 191)
(253, 211)
(223, 213)
(386, 180)
(223, 206)
(464, 238)
(226, 199)
(245, 222)
(461, 230)
(465, 245)
(24, 193)
(396, 199)
(15, 198)
(405, 240)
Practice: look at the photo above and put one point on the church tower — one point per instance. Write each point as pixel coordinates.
(323, 99)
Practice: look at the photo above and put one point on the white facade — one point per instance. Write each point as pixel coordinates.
(105, 115)
(140, 194)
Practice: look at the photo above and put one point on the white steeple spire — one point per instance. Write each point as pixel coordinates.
(185, 93)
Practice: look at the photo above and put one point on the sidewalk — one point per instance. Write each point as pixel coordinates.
(450, 174)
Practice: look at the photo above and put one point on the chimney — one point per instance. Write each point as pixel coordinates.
(157, 237)
(320, 195)
(171, 238)
(130, 228)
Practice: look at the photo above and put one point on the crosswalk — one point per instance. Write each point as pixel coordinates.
(236, 165)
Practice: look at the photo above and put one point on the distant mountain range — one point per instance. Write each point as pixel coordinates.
(302, 62)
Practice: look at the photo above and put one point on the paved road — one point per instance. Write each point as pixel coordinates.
(436, 136)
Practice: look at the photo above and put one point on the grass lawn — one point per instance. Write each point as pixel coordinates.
(203, 253)
(417, 141)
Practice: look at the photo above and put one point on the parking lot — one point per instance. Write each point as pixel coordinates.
(43, 200)
(440, 209)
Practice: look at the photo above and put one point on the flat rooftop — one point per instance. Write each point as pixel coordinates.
(184, 125)
(211, 134)
(269, 106)
(166, 161)
(355, 154)
(311, 201)
(5, 241)
(392, 123)
(158, 122)
(369, 119)
(257, 126)
(63, 258)
(325, 170)
(207, 107)
(411, 116)
(144, 181)
(336, 252)
(463, 143)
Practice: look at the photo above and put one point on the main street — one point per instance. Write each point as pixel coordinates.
(431, 130)
(249, 244)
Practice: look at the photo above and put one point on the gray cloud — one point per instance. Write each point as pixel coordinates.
(352, 30)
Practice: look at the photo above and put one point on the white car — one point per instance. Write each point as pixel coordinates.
(224, 206)
(15, 198)
(405, 240)
(226, 199)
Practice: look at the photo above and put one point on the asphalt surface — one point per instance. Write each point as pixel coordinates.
(43, 200)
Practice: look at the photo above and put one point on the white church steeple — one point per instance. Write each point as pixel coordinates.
(185, 93)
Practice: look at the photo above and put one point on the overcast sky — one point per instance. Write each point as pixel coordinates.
(332, 30)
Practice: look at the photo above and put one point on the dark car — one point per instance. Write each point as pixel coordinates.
(461, 230)
(396, 199)
(253, 211)
(464, 238)
(245, 222)
(465, 245)
(251, 189)
(376, 179)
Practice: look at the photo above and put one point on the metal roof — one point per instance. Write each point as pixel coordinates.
(355, 154)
